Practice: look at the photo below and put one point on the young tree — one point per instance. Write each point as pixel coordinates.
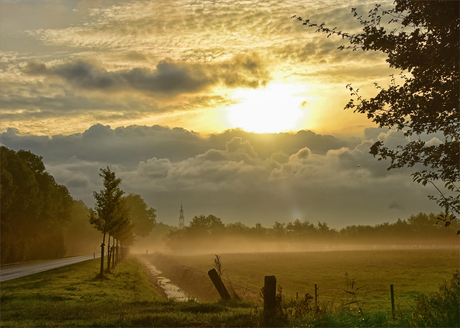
(424, 46)
(106, 214)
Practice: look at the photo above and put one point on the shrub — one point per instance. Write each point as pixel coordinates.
(439, 309)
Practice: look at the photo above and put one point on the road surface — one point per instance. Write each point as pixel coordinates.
(20, 270)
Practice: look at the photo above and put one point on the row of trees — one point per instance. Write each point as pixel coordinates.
(118, 217)
(40, 220)
(35, 210)
(419, 229)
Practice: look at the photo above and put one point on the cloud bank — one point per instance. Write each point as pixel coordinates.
(236, 175)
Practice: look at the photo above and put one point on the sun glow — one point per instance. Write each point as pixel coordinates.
(275, 108)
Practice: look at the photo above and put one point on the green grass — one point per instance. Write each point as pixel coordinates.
(412, 272)
(73, 296)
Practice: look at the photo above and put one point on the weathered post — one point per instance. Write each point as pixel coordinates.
(392, 301)
(218, 284)
(269, 300)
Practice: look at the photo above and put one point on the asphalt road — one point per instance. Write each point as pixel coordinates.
(20, 270)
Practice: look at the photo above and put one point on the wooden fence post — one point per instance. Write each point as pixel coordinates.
(392, 301)
(218, 284)
(316, 294)
(269, 300)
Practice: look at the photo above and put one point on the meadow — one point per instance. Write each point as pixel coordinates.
(410, 271)
(72, 296)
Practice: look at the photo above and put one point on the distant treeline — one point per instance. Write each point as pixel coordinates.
(39, 218)
(417, 229)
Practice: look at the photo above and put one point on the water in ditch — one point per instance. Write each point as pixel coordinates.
(171, 290)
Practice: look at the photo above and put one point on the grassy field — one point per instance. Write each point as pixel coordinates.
(72, 296)
(411, 272)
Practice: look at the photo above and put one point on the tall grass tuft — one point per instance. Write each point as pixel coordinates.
(439, 309)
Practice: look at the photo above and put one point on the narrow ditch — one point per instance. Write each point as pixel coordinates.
(171, 290)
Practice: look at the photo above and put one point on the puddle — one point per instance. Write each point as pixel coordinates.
(171, 290)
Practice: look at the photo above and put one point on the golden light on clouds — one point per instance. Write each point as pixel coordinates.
(275, 108)
(174, 94)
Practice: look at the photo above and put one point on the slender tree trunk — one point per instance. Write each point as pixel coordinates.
(102, 256)
(108, 255)
(113, 253)
(117, 252)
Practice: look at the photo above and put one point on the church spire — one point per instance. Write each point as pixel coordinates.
(181, 217)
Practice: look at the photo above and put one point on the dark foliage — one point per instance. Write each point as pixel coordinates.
(35, 210)
(422, 41)
(417, 229)
(440, 309)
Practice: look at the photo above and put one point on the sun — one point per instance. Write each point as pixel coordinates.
(274, 108)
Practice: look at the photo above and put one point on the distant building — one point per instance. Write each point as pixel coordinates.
(181, 218)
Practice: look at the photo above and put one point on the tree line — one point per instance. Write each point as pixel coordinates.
(40, 220)
(34, 209)
(417, 229)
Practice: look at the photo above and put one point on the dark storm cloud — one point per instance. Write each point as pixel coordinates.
(168, 79)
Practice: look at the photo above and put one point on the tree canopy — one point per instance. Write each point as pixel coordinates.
(422, 41)
(108, 212)
(35, 210)
(141, 216)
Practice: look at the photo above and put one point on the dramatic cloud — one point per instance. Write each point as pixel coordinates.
(122, 62)
(234, 175)
(128, 146)
(167, 79)
(152, 89)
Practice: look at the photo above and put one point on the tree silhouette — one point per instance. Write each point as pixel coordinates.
(423, 43)
(108, 214)
(35, 210)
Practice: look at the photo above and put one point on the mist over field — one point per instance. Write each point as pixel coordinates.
(208, 235)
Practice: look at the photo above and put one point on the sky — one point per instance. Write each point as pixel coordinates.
(229, 108)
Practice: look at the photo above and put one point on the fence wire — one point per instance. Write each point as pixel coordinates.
(334, 294)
